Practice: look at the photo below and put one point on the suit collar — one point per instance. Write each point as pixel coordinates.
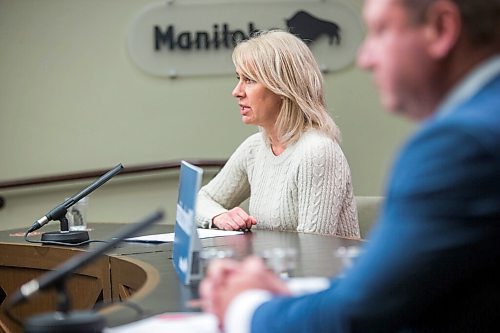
(473, 83)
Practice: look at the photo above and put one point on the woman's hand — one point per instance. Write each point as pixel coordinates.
(234, 219)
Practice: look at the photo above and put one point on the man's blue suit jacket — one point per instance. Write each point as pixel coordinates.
(432, 263)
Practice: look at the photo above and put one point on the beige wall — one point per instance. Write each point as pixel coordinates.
(71, 100)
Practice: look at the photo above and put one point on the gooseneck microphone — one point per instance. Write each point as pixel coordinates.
(59, 213)
(61, 271)
(56, 278)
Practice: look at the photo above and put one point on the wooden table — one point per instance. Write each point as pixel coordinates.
(141, 273)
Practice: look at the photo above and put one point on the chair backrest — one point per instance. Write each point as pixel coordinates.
(368, 209)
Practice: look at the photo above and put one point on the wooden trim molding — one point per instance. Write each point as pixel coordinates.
(128, 170)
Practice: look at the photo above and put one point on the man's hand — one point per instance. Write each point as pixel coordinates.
(234, 219)
(227, 278)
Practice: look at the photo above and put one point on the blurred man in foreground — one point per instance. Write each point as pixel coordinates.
(432, 263)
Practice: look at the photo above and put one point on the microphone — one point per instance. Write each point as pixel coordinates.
(62, 271)
(60, 210)
(59, 213)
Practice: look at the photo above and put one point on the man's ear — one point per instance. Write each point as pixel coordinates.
(442, 28)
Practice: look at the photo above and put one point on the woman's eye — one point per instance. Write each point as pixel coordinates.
(245, 79)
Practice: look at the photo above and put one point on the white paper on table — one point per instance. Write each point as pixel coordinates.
(171, 322)
(164, 238)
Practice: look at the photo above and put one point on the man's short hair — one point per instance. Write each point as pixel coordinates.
(480, 17)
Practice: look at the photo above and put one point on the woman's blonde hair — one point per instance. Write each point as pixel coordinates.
(286, 66)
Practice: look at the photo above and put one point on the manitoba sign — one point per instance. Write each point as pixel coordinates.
(172, 39)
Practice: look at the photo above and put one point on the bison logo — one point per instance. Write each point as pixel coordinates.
(310, 28)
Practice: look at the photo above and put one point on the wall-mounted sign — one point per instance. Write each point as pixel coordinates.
(172, 39)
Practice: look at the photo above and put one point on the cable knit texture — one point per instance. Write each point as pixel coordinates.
(306, 188)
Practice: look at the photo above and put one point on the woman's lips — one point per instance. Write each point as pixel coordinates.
(244, 109)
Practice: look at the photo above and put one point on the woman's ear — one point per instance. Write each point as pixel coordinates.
(443, 26)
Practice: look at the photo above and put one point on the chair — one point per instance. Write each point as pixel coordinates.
(368, 209)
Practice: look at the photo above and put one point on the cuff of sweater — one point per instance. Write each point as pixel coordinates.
(205, 220)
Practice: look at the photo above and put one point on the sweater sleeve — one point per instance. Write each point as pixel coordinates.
(229, 188)
(323, 179)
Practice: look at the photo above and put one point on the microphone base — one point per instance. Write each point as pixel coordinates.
(59, 322)
(68, 237)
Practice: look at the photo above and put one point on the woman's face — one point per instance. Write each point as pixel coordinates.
(258, 105)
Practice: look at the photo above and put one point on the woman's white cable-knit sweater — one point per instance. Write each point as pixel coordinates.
(306, 188)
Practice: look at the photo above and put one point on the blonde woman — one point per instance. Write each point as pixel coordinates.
(293, 170)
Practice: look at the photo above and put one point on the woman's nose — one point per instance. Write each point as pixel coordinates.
(237, 91)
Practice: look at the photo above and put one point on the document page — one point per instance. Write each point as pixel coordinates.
(171, 322)
(164, 238)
